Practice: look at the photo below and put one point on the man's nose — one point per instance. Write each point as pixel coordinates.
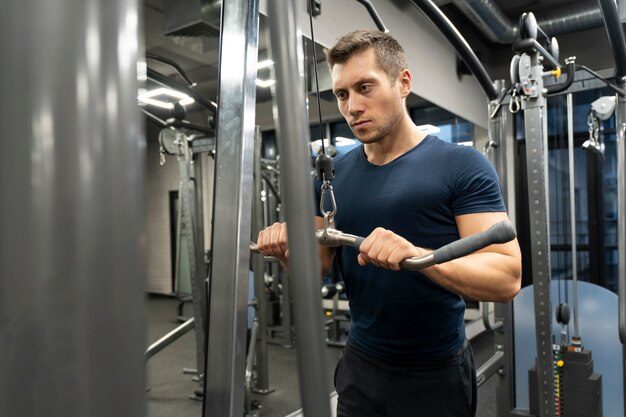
(355, 105)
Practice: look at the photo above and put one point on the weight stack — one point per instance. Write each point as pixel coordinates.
(580, 387)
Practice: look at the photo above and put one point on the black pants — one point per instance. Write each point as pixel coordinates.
(367, 387)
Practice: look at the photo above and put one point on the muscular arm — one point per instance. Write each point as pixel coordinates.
(491, 274)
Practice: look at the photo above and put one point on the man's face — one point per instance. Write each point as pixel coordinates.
(371, 103)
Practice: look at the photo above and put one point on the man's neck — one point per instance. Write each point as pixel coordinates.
(399, 141)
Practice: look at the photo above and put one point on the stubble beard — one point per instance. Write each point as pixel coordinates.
(381, 132)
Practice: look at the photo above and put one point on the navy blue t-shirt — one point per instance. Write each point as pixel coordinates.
(403, 316)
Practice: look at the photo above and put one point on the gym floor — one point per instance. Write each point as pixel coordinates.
(170, 388)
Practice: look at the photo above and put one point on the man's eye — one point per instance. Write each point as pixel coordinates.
(340, 95)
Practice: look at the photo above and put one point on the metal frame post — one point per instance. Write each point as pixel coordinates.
(258, 267)
(497, 146)
(503, 312)
(536, 153)
(72, 310)
(293, 132)
(229, 278)
(505, 383)
(620, 127)
(572, 207)
(191, 224)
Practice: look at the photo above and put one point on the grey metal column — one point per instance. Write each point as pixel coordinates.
(503, 312)
(229, 278)
(620, 126)
(258, 266)
(72, 313)
(533, 106)
(190, 197)
(293, 134)
(572, 208)
(503, 338)
(497, 136)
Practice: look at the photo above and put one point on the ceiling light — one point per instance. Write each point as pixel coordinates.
(265, 83)
(264, 64)
(149, 98)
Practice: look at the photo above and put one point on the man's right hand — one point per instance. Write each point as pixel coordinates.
(272, 241)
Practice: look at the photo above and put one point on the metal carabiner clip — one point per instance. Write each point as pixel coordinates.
(329, 215)
(514, 104)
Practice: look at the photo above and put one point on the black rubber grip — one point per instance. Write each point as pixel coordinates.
(357, 242)
(500, 232)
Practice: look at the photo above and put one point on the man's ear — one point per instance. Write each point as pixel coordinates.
(405, 82)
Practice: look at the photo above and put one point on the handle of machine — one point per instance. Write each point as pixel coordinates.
(500, 232)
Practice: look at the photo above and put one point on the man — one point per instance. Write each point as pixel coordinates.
(408, 193)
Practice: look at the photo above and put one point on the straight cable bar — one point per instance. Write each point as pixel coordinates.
(500, 232)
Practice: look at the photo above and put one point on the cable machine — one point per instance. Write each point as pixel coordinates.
(528, 68)
(187, 144)
(563, 381)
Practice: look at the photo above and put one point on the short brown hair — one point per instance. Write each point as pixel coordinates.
(390, 55)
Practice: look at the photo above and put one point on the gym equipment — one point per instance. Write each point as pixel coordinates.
(337, 314)
(73, 307)
(187, 145)
(277, 284)
(257, 349)
(530, 78)
(228, 288)
(292, 122)
(435, 15)
(563, 382)
(500, 232)
(601, 109)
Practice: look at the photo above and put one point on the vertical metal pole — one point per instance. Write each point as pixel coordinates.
(228, 306)
(503, 313)
(287, 308)
(194, 239)
(297, 194)
(505, 384)
(572, 206)
(72, 314)
(536, 153)
(258, 267)
(620, 125)
(546, 161)
(496, 131)
(502, 144)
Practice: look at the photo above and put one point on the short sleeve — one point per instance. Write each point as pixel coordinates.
(477, 186)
